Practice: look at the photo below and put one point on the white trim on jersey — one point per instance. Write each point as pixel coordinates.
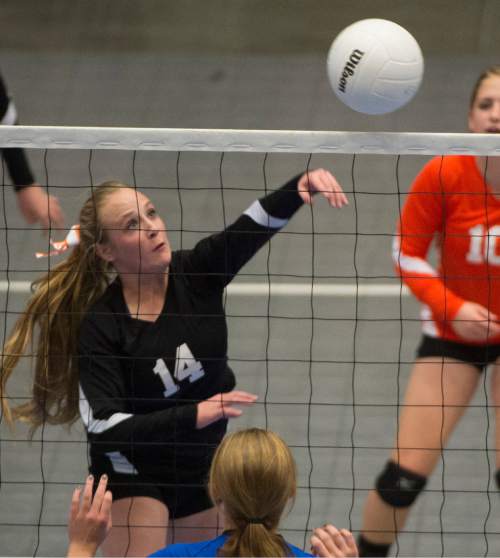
(95, 426)
(10, 116)
(410, 263)
(121, 464)
(258, 214)
(428, 323)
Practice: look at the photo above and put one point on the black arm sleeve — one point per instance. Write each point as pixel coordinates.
(218, 258)
(105, 404)
(15, 158)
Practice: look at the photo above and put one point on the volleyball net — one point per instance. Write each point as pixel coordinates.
(319, 325)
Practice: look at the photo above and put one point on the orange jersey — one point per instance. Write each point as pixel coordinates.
(449, 202)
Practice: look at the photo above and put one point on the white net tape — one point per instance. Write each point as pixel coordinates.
(251, 141)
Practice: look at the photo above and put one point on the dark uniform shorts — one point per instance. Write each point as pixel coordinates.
(477, 355)
(183, 494)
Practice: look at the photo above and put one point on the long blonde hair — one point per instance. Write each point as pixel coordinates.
(53, 314)
(253, 474)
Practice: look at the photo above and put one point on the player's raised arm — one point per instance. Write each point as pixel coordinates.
(219, 257)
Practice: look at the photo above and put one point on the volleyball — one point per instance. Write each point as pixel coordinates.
(375, 66)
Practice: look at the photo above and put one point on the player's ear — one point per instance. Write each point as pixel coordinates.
(104, 251)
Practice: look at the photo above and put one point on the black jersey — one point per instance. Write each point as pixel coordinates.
(14, 157)
(140, 381)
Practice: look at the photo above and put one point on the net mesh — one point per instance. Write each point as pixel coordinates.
(319, 326)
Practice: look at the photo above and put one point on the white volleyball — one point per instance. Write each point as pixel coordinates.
(375, 66)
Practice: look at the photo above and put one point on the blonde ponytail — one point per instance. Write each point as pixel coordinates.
(54, 312)
(254, 539)
(253, 475)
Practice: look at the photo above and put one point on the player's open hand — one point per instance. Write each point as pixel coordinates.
(37, 206)
(322, 181)
(89, 518)
(329, 541)
(223, 406)
(474, 322)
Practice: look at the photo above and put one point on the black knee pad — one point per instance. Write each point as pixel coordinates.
(398, 486)
(497, 476)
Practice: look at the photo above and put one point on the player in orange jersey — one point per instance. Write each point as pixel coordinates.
(455, 200)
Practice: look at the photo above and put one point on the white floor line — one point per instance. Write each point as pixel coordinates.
(276, 289)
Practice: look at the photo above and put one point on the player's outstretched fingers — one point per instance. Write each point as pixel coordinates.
(350, 541)
(329, 541)
(240, 397)
(233, 400)
(105, 512)
(222, 406)
(87, 495)
(100, 492)
(322, 181)
(339, 196)
(101, 505)
(75, 504)
(323, 543)
(327, 184)
(90, 518)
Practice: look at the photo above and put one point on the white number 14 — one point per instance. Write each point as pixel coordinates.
(185, 367)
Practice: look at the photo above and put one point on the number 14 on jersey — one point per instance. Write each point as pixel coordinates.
(185, 367)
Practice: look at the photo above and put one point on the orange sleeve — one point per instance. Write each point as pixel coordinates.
(420, 222)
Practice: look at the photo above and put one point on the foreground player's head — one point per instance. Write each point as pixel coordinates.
(253, 480)
(484, 109)
(125, 230)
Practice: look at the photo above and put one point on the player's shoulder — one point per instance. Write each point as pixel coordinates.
(447, 172)
(296, 551)
(109, 301)
(205, 549)
(179, 260)
(448, 164)
(102, 313)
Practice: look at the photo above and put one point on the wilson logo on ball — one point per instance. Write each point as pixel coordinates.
(375, 66)
(349, 68)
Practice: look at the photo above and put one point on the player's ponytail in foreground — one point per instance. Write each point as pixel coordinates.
(253, 476)
(51, 321)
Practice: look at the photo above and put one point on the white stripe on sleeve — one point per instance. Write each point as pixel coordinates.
(410, 263)
(96, 426)
(429, 326)
(258, 214)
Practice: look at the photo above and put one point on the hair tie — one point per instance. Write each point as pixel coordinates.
(72, 239)
(255, 520)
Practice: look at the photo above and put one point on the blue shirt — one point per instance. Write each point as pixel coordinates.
(209, 549)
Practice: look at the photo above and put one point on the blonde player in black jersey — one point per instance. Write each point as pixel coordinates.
(135, 336)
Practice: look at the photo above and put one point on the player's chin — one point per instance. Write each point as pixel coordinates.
(163, 255)
(158, 264)
(164, 262)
